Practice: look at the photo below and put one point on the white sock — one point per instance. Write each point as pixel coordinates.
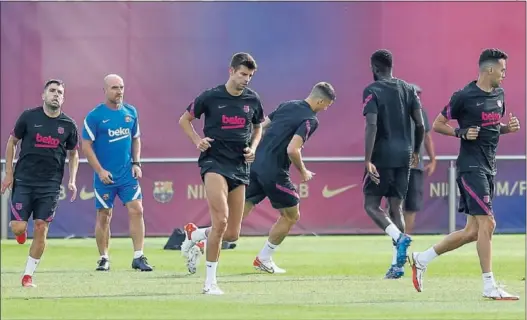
(394, 259)
(211, 272)
(393, 232)
(424, 258)
(31, 266)
(199, 235)
(138, 254)
(267, 251)
(488, 280)
(105, 256)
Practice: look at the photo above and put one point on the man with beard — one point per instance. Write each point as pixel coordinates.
(233, 115)
(48, 135)
(111, 142)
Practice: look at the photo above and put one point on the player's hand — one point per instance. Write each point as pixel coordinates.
(431, 167)
(468, 134)
(105, 177)
(7, 183)
(372, 172)
(307, 175)
(204, 144)
(249, 155)
(137, 173)
(514, 123)
(415, 160)
(73, 188)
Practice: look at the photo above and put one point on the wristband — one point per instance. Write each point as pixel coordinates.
(461, 133)
(136, 163)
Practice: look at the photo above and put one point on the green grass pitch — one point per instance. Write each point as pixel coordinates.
(329, 277)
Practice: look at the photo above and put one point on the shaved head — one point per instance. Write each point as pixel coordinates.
(112, 78)
(114, 89)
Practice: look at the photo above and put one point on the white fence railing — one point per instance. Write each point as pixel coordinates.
(4, 215)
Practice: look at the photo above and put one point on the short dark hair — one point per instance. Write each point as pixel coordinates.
(382, 59)
(243, 59)
(491, 55)
(53, 81)
(324, 90)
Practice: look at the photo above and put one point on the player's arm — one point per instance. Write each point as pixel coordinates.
(294, 149)
(416, 112)
(257, 120)
(18, 133)
(73, 158)
(370, 110)
(269, 119)
(72, 145)
(194, 111)
(136, 141)
(266, 124)
(89, 134)
(512, 125)
(257, 135)
(450, 112)
(429, 145)
(10, 153)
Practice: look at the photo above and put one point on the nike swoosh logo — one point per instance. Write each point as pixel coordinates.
(327, 193)
(104, 121)
(86, 195)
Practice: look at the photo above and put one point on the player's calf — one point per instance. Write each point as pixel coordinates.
(102, 237)
(217, 196)
(282, 227)
(40, 232)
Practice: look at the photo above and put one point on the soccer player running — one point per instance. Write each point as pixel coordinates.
(390, 106)
(111, 142)
(288, 129)
(233, 116)
(414, 196)
(478, 109)
(48, 136)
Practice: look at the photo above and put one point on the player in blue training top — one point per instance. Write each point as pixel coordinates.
(112, 145)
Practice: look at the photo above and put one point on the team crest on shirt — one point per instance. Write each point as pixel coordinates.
(246, 109)
(127, 119)
(163, 191)
(499, 103)
(60, 130)
(18, 206)
(486, 199)
(106, 196)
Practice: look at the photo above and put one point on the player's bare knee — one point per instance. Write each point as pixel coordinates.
(487, 225)
(291, 215)
(104, 216)
(135, 212)
(219, 224)
(40, 228)
(18, 227)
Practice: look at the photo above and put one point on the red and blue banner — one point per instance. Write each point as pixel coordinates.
(169, 52)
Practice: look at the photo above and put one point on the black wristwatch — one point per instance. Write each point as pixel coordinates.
(134, 163)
